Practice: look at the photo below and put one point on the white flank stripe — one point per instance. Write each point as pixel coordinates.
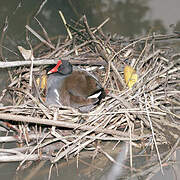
(57, 96)
(56, 92)
(95, 95)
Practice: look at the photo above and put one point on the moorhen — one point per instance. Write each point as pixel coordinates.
(72, 86)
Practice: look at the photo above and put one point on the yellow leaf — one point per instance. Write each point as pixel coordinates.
(130, 76)
(42, 81)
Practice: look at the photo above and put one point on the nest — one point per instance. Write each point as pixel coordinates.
(144, 115)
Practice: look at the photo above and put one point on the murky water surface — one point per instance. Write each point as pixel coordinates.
(129, 18)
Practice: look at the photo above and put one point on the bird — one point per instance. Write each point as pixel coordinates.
(73, 87)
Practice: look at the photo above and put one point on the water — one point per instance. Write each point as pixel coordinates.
(129, 18)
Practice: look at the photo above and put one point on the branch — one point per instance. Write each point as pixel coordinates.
(20, 118)
(38, 62)
(16, 158)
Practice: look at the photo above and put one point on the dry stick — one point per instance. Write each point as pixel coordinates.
(86, 143)
(26, 63)
(77, 47)
(128, 105)
(139, 57)
(73, 148)
(167, 112)
(44, 31)
(162, 126)
(64, 21)
(1, 42)
(2, 37)
(107, 74)
(30, 136)
(152, 55)
(53, 129)
(42, 146)
(50, 171)
(10, 151)
(144, 49)
(5, 90)
(80, 147)
(68, 111)
(130, 140)
(39, 37)
(19, 118)
(104, 123)
(41, 106)
(80, 33)
(16, 158)
(103, 53)
(39, 62)
(101, 25)
(31, 68)
(55, 116)
(57, 52)
(53, 140)
(59, 138)
(36, 147)
(150, 38)
(11, 51)
(129, 45)
(31, 73)
(67, 28)
(149, 167)
(41, 6)
(90, 141)
(39, 45)
(153, 135)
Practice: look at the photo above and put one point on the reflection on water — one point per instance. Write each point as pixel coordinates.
(127, 17)
(99, 168)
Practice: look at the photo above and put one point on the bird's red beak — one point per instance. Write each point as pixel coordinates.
(55, 69)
